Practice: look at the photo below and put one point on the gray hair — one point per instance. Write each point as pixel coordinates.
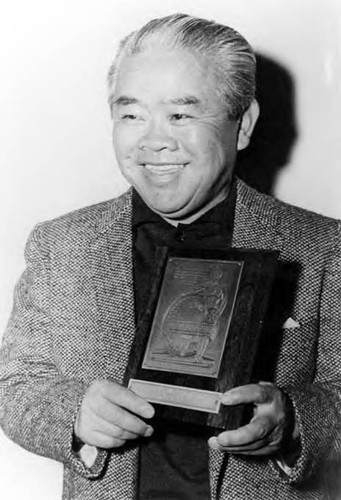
(233, 58)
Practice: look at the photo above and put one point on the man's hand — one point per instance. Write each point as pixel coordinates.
(109, 415)
(267, 430)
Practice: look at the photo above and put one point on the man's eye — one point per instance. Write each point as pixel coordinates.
(180, 117)
(129, 117)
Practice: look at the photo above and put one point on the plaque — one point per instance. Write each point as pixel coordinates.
(198, 337)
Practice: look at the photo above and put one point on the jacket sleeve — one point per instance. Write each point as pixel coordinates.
(38, 406)
(318, 405)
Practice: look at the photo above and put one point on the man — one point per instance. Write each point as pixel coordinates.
(181, 92)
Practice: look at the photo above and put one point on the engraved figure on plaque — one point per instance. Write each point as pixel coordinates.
(192, 322)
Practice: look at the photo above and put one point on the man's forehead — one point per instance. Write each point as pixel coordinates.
(173, 77)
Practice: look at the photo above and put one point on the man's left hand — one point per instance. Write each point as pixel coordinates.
(265, 433)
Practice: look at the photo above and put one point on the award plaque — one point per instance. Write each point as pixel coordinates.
(198, 337)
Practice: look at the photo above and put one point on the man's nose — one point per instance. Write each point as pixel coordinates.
(157, 138)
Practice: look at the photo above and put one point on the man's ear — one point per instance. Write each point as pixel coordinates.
(247, 125)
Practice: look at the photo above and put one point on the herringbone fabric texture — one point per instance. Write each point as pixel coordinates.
(73, 322)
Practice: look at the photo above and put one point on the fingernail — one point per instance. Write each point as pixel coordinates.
(148, 412)
(149, 431)
(213, 443)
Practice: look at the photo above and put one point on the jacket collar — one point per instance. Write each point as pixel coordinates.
(255, 225)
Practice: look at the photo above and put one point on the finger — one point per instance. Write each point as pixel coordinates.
(214, 443)
(101, 440)
(259, 448)
(267, 450)
(251, 393)
(256, 430)
(256, 445)
(114, 431)
(115, 415)
(122, 396)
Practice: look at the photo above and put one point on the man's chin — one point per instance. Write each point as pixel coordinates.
(169, 210)
(168, 204)
(174, 215)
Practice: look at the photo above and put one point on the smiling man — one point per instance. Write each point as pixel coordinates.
(173, 137)
(181, 93)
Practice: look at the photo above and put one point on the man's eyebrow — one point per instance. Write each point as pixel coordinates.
(185, 101)
(124, 100)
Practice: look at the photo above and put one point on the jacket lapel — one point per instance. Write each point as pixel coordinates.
(256, 221)
(255, 227)
(112, 271)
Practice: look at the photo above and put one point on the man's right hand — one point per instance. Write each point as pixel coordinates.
(109, 415)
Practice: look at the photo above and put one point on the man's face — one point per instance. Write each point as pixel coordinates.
(172, 138)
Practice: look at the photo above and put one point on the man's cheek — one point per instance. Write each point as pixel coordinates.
(189, 138)
(124, 147)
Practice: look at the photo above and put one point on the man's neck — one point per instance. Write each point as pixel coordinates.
(188, 220)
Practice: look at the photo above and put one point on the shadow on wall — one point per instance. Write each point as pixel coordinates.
(275, 133)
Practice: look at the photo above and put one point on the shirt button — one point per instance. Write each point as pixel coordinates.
(180, 236)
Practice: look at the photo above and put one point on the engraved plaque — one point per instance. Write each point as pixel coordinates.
(193, 316)
(199, 335)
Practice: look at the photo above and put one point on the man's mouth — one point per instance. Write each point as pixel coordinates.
(163, 168)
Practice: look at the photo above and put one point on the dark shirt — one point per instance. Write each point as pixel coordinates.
(174, 461)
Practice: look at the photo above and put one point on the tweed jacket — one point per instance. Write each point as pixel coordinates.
(73, 322)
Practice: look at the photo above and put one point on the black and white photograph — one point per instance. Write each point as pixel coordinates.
(196, 126)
